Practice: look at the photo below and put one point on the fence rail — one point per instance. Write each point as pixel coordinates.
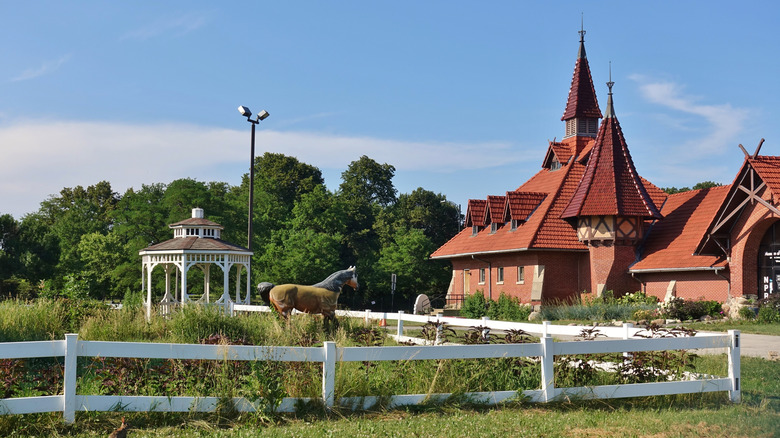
(329, 355)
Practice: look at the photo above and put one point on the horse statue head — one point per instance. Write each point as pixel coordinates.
(338, 279)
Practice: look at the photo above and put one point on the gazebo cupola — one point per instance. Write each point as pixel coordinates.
(197, 226)
(610, 202)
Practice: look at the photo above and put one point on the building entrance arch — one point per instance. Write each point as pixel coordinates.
(768, 263)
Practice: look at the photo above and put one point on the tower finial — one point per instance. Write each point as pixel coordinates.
(610, 109)
(582, 54)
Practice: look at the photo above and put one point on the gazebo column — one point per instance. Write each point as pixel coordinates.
(206, 280)
(248, 284)
(168, 297)
(184, 268)
(238, 282)
(149, 268)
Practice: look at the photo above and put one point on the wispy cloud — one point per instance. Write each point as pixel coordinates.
(723, 122)
(40, 159)
(44, 69)
(177, 26)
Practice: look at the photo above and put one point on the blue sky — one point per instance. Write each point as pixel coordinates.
(461, 97)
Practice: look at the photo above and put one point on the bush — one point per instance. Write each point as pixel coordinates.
(475, 306)
(769, 309)
(678, 308)
(508, 309)
(636, 298)
(747, 313)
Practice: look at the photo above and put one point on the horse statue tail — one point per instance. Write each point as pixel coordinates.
(264, 289)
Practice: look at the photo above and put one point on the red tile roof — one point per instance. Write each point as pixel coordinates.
(475, 213)
(520, 205)
(671, 242)
(768, 169)
(582, 96)
(611, 184)
(541, 230)
(495, 209)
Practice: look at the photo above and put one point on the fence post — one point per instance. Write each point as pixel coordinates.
(548, 359)
(627, 326)
(545, 325)
(400, 331)
(69, 385)
(368, 316)
(735, 394)
(329, 374)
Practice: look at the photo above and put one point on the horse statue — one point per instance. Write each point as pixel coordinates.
(317, 298)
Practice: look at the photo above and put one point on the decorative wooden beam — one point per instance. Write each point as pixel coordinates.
(755, 154)
(747, 155)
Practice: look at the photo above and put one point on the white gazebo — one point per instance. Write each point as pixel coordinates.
(196, 242)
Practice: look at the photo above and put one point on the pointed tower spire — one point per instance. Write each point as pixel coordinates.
(611, 185)
(582, 53)
(582, 112)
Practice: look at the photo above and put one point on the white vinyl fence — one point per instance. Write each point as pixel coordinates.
(329, 355)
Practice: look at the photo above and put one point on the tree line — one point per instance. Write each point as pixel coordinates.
(84, 242)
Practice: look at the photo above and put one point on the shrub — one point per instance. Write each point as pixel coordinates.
(747, 313)
(769, 309)
(636, 298)
(474, 306)
(678, 308)
(508, 309)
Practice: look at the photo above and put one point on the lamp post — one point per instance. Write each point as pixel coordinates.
(254, 121)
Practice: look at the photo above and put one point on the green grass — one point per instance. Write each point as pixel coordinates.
(690, 415)
(741, 325)
(683, 415)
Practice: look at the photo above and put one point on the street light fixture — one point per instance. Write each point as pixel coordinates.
(246, 112)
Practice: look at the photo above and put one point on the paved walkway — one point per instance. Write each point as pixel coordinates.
(765, 346)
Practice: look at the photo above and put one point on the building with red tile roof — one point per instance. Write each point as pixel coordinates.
(588, 222)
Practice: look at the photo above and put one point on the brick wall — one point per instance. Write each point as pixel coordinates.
(746, 235)
(690, 285)
(609, 266)
(566, 274)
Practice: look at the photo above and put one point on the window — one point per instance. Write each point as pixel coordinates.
(482, 276)
(500, 275)
(493, 227)
(514, 224)
(474, 230)
(520, 274)
(555, 164)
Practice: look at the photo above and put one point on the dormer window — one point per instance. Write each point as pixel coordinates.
(474, 230)
(514, 224)
(555, 164)
(493, 227)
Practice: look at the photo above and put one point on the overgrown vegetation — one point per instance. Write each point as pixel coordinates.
(507, 308)
(267, 382)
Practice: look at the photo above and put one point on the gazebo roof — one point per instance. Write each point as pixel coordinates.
(195, 244)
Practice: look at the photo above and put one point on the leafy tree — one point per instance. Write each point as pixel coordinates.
(308, 248)
(432, 213)
(366, 189)
(407, 257)
(368, 182)
(9, 246)
(102, 255)
(701, 185)
(706, 185)
(39, 249)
